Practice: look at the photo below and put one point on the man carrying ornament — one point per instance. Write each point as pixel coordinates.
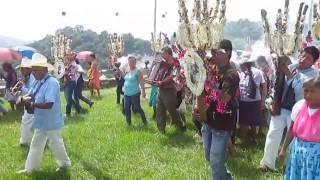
(220, 101)
(167, 95)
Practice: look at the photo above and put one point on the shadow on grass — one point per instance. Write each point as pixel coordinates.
(98, 174)
(75, 119)
(24, 154)
(52, 175)
(178, 139)
(140, 128)
(89, 167)
(245, 167)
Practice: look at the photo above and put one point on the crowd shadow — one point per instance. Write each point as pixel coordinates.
(75, 119)
(89, 167)
(178, 139)
(97, 173)
(52, 175)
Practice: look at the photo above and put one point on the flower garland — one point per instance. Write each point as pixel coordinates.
(192, 59)
(211, 87)
(178, 51)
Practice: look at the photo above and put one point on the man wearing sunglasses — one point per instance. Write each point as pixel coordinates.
(218, 128)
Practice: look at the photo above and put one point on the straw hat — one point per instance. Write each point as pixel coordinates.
(25, 63)
(39, 60)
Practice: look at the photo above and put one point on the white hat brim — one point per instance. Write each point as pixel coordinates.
(47, 65)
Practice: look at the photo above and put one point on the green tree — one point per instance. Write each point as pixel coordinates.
(88, 40)
(239, 31)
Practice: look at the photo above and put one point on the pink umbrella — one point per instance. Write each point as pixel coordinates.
(84, 55)
(7, 54)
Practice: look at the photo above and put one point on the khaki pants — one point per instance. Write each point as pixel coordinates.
(38, 143)
(167, 101)
(26, 126)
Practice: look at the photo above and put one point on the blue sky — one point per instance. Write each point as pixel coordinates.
(33, 19)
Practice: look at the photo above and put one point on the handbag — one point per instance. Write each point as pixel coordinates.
(252, 87)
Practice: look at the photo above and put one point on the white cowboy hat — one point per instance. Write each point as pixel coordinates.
(39, 60)
(25, 63)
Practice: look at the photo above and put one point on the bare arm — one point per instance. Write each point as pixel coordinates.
(28, 104)
(47, 105)
(264, 92)
(141, 80)
(286, 143)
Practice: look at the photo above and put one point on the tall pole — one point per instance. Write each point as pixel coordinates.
(155, 20)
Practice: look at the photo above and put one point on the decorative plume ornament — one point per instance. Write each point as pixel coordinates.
(60, 47)
(316, 21)
(115, 44)
(199, 34)
(158, 43)
(204, 30)
(280, 41)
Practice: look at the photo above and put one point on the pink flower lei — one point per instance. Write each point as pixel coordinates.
(177, 49)
(213, 94)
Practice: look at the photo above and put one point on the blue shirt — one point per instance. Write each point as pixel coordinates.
(131, 83)
(48, 119)
(298, 79)
(27, 86)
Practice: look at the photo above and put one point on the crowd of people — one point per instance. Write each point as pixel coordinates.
(235, 103)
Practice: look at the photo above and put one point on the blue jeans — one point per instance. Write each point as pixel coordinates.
(133, 101)
(71, 95)
(215, 147)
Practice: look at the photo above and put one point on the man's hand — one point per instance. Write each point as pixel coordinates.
(25, 100)
(158, 83)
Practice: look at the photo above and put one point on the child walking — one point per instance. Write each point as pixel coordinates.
(304, 158)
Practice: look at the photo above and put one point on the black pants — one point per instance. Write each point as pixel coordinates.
(80, 95)
(119, 89)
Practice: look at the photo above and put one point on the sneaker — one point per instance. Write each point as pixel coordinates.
(82, 111)
(91, 104)
(24, 145)
(265, 168)
(62, 168)
(23, 172)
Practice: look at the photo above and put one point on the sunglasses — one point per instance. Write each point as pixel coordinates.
(215, 52)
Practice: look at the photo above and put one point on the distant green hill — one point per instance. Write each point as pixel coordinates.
(9, 42)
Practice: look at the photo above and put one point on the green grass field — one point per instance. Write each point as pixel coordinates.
(102, 146)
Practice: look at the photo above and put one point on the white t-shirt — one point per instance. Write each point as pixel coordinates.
(258, 78)
(80, 70)
(297, 107)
